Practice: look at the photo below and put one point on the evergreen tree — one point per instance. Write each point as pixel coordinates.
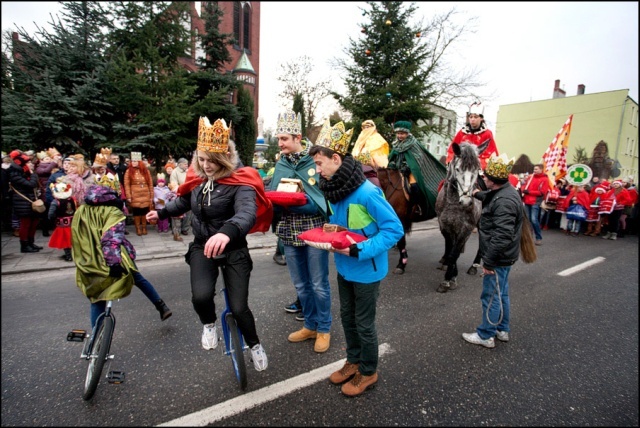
(214, 85)
(384, 77)
(56, 95)
(298, 107)
(149, 89)
(246, 129)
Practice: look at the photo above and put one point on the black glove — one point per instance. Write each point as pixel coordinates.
(117, 271)
(525, 191)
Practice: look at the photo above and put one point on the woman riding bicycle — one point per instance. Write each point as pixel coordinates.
(227, 204)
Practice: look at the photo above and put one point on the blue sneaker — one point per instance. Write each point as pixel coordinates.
(294, 308)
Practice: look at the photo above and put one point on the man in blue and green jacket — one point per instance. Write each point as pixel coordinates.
(355, 203)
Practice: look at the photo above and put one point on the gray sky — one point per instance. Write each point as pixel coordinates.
(519, 48)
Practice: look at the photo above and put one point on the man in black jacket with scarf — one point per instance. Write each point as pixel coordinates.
(500, 230)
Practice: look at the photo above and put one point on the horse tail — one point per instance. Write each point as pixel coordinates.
(527, 244)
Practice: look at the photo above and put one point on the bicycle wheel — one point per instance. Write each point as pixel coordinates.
(99, 353)
(236, 351)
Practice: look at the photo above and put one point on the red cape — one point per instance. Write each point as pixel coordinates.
(245, 176)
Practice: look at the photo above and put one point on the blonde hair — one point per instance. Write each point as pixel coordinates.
(81, 164)
(226, 161)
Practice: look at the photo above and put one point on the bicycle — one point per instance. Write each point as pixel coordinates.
(96, 351)
(233, 341)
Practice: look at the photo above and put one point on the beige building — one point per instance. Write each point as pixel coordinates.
(528, 128)
(444, 121)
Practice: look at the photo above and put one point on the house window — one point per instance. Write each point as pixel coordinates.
(187, 26)
(236, 23)
(200, 54)
(246, 27)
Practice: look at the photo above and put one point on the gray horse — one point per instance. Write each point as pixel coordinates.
(458, 211)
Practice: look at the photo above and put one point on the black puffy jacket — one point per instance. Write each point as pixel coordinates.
(500, 226)
(25, 185)
(231, 210)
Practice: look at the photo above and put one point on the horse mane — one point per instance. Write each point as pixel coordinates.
(469, 157)
(469, 160)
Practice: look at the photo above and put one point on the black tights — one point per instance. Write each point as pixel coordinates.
(204, 275)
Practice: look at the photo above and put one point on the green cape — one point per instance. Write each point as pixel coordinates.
(285, 169)
(92, 273)
(427, 170)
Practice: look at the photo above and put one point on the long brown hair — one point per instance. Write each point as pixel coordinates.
(527, 244)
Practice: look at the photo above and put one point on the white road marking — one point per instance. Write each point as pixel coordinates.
(581, 266)
(261, 396)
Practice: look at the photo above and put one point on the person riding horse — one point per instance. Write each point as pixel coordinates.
(371, 150)
(422, 170)
(475, 131)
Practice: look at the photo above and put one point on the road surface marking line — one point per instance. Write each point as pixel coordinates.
(261, 396)
(581, 266)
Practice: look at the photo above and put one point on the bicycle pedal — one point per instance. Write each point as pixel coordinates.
(77, 336)
(115, 376)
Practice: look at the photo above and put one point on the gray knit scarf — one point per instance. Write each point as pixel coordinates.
(346, 179)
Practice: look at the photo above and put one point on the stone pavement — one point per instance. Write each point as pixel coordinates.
(152, 246)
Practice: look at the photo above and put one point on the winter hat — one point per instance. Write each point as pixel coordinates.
(402, 126)
(61, 190)
(618, 182)
(600, 189)
(161, 177)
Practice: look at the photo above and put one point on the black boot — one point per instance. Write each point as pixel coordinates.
(26, 248)
(37, 247)
(164, 310)
(67, 255)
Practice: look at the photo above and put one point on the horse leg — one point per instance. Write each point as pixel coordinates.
(450, 277)
(447, 250)
(476, 263)
(404, 256)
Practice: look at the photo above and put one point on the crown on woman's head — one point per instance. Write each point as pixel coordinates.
(335, 137)
(213, 138)
(106, 151)
(289, 123)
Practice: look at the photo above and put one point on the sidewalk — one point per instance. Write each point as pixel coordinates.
(152, 246)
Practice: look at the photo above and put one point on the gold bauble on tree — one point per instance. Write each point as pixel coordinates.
(388, 22)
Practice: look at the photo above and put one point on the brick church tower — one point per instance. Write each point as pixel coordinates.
(242, 19)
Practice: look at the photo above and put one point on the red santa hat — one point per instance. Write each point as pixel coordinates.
(618, 182)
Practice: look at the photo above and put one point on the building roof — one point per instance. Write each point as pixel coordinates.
(244, 64)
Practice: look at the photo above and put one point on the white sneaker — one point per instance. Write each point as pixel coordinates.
(476, 340)
(209, 336)
(259, 357)
(502, 336)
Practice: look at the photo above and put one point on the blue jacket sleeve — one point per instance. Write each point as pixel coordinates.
(389, 228)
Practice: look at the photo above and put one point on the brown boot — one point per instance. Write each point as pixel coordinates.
(143, 224)
(136, 221)
(359, 384)
(589, 228)
(597, 231)
(177, 237)
(302, 334)
(344, 374)
(322, 342)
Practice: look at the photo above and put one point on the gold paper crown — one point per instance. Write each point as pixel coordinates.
(106, 151)
(499, 166)
(335, 138)
(100, 160)
(108, 180)
(213, 138)
(289, 123)
(136, 156)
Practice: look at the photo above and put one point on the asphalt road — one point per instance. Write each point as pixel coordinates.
(572, 359)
